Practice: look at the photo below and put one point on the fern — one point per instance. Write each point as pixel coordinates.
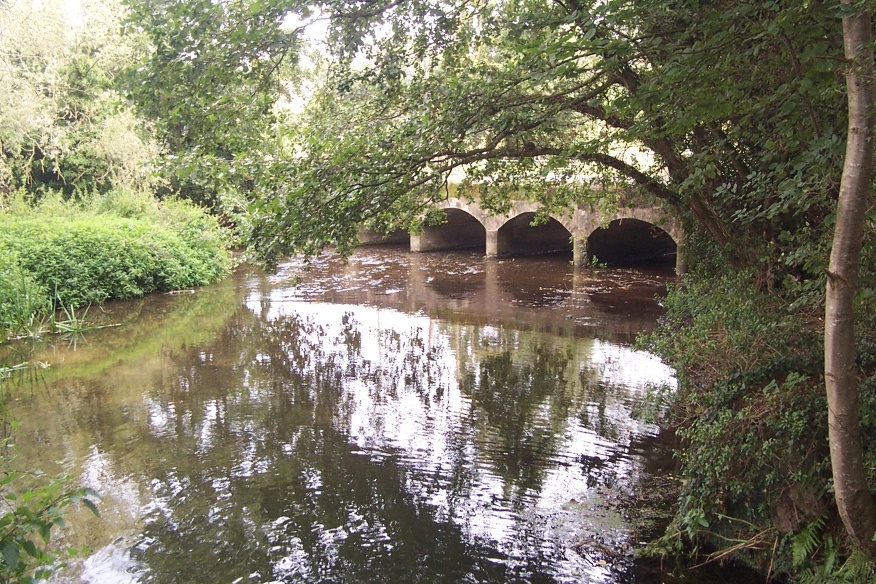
(859, 567)
(804, 543)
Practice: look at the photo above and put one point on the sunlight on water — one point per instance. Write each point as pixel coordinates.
(362, 423)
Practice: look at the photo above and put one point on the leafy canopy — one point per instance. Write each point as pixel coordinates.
(729, 113)
(210, 85)
(63, 123)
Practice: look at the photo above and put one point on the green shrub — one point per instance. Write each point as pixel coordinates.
(86, 260)
(129, 204)
(28, 519)
(752, 414)
(116, 245)
(716, 326)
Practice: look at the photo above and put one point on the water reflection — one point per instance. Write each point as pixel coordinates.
(358, 425)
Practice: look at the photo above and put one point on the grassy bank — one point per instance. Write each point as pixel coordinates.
(56, 253)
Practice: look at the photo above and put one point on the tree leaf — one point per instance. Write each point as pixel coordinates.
(10, 553)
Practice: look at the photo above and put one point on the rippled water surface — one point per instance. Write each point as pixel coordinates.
(399, 418)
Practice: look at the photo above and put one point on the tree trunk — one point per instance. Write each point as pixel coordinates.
(853, 498)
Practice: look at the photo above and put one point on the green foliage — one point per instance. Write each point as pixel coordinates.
(211, 86)
(595, 263)
(752, 414)
(122, 245)
(720, 325)
(831, 569)
(804, 543)
(22, 299)
(564, 103)
(89, 260)
(28, 520)
(64, 125)
(819, 558)
(655, 404)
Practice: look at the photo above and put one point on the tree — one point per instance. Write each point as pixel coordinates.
(515, 92)
(853, 497)
(210, 85)
(62, 123)
(658, 96)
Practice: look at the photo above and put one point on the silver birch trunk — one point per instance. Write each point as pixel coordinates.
(853, 497)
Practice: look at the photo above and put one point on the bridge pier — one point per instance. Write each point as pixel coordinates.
(579, 250)
(680, 266)
(417, 243)
(492, 243)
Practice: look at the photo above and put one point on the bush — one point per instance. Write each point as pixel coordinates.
(92, 259)
(28, 519)
(102, 247)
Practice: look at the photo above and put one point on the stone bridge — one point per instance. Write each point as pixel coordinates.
(628, 236)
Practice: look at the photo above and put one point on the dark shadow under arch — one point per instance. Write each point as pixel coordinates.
(632, 242)
(518, 237)
(461, 231)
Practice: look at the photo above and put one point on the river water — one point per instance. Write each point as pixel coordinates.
(399, 418)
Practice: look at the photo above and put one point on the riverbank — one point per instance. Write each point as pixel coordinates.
(751, 413)
(58, 254)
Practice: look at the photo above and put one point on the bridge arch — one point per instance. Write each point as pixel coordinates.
(517, 236)
(630, 242)
(462, 230)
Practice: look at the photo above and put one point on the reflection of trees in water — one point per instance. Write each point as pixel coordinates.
(527, 390)
(248, 445)
(604, 411)
(257, 468)
(521, 410)
(325, 514)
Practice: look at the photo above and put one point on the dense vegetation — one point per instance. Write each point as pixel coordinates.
(733, 115)
(67, 255)
(79, 219)
(752, 413)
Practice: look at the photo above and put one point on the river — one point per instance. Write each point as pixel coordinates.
(398, 418)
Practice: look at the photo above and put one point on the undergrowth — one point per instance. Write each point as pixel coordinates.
(752, 413)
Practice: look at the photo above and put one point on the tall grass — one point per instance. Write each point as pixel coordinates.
(22, 299)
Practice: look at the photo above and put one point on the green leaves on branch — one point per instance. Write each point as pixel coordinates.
(27, 524)
(211, 85)
(31, 507)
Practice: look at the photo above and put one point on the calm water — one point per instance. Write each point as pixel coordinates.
(401, 418)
